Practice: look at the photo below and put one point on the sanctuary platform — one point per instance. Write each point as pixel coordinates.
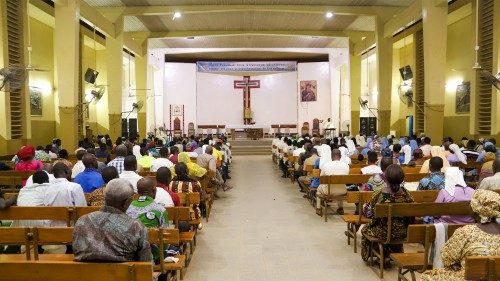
(251, 147)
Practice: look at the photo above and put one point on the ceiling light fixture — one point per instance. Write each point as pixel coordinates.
(329, 15)
(176, 15)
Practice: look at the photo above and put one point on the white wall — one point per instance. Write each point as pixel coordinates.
(180, 88)
(273, 103)
(321, 109)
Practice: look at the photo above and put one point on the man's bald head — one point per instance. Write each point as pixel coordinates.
(146, 187)
(89, 161)
(336, 154)
(121, 150)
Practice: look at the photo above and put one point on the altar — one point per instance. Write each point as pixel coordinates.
(247, 131)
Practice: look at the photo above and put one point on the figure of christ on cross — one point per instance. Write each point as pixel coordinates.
(246, 84)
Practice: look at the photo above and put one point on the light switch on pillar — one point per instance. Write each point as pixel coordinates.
(114, 61)
(141, 69)
(435, 36)
(66, 46)
(384, 76)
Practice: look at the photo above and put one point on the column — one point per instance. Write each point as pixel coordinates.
(495, 111)
(435, 32)
(114, 65)
(141, 82)
(384, 76)
(355, 77)
(66, 45)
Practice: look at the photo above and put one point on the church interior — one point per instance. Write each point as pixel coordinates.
(250, 139)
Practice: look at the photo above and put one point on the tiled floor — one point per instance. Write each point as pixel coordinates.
(265, 230)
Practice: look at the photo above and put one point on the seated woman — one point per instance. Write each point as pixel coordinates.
(194, 169)
(393, 192)
(480, 239)
(457, 155)
(182, 183)
(436, 151)
(418, 158)
(487, 168)
(375, 183)
(455, 190)
(27, 163)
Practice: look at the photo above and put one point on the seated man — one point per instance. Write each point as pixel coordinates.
(435, 179)
(118, 162)
(163, 178)
(305, 181)
(31, 196)
(63, 193)
(145, 161)
(145, 209)
(492, 182)
(89, 179)
(109, 234)
(330, 168)
(372, 167)
(129, 171)
(161, 161)
(78, 167)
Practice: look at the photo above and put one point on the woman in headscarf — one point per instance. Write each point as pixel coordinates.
(26, 161)
(457, 156)
(487, 168)
(351, 147)
(436, 151)
(367, 148)
(406, 149)
(384, 143)
(480, 239)
(393, 192)
(413, 145)
(455, 190)
(344, 157)
(326, 156)
(375, 145)
(195, 170)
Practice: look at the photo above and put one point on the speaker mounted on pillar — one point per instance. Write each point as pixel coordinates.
(91, 75)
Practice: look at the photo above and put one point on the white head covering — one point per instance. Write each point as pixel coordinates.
(456, 150)
(326, 155)
(204, 147)
(344, 155)
(407, 151)
(453, 177)
(351, 147)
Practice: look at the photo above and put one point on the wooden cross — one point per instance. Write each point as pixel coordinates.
(246, 84)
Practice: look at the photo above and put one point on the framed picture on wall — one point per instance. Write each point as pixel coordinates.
(308, 91)
(462, 98)
(36, 101)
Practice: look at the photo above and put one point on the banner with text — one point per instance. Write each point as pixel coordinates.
(248, 66)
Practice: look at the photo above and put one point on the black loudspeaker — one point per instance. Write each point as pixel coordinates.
(406, 73)
(132, 127)
(368, 125)
(124, 128)
(91, 75)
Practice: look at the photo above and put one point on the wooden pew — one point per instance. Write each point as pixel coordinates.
(14, 179)
(163, 237)
(77, 271)
(351, 179)
(354, 221)
(291, 160)
(425, 235)
(482, 268)
(37, 213)
(178, 214)
(16, 236)
(409, 210)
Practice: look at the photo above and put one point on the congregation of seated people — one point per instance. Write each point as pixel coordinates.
(468, 171)
(110, 176)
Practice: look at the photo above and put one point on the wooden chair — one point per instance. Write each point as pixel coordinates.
(315, 129)
(163, 237)
(482, 268)
(77, 271)
(419, 261)
(178, 214)
(409, 210)
(305, 128)
(291, 160)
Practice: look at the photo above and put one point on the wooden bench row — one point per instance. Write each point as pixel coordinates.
(32, 238)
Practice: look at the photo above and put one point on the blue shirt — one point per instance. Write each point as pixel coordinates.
(315, 181)
(90, 180)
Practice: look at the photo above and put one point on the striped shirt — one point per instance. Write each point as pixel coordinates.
(117, 163)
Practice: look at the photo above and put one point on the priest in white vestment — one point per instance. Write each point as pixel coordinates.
(328, 125)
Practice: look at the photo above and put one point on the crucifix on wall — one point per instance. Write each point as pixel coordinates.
(246, 84)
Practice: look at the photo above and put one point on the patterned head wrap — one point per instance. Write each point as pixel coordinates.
(26, 152)
(486, 204)
(489, 156)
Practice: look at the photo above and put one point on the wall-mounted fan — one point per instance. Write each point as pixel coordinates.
(345, 127)
(12, 78)
(137, 106)
(363, 103)
(405, 92)
(493, 79)
(96, 94)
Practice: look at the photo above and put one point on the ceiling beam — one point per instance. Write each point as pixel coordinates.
(410, 15)
(92, 15)
(198, 33)
(382, 11)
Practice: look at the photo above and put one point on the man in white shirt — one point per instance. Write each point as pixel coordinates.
(33, 195)
(336, 167)
(372, 167)
(78, 167)
(129, 173)
(161, 161)
(493, 182)
(63, 193)
(136, 149)
(426, 147)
